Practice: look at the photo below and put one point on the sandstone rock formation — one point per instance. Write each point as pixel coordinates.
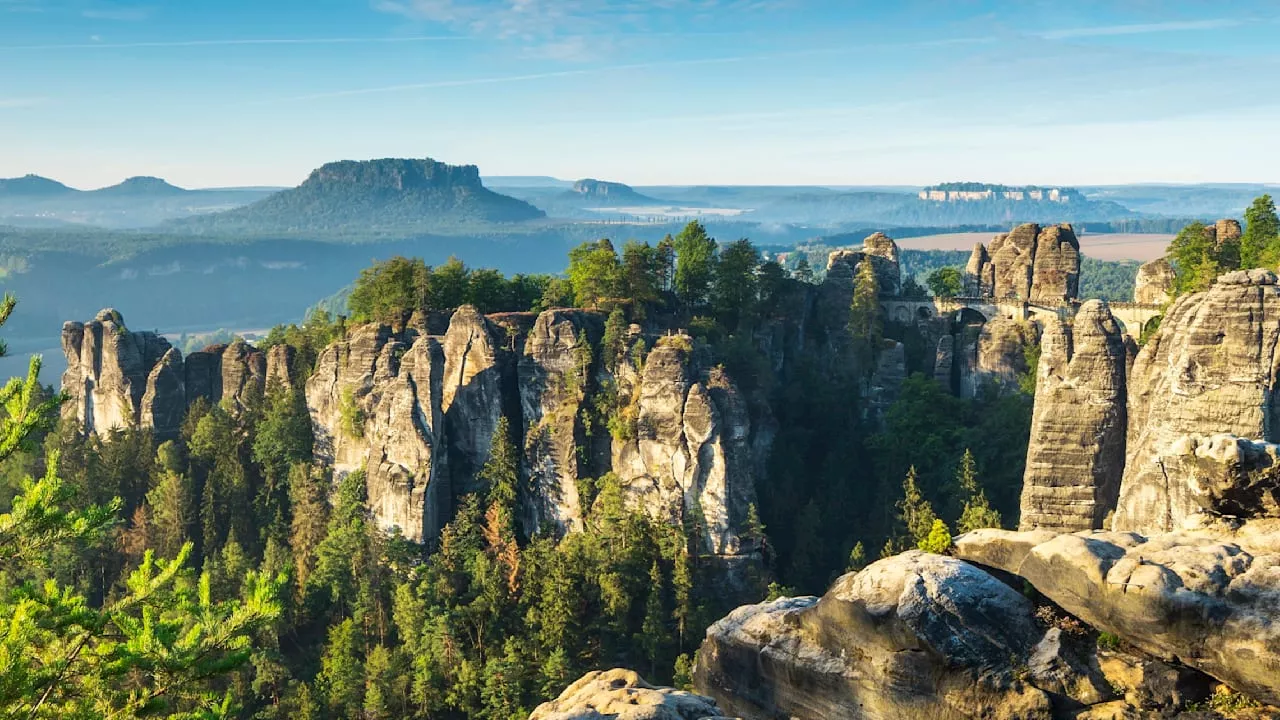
(374, 401)
(244, 375)
(1154, 282)
(881, 388)
(1076, 455)
(979, 273)
(916, 635)
(117, 378)
(691, 453)
(1055, 272)
(281, 365)
(993, 355)
(1205, 597)
(1211, 368)
(883, 253)
(1040, 265)
(475, 366)
(555, 373)
(944, 361)
(624, 695)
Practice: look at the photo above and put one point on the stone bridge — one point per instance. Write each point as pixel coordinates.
(1134, 317)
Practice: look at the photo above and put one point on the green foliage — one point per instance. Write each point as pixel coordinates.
(857, 558)
(734, 287)
(1108, 641)
(945, 282)
(392, 291)
(1260, 243)
(695, 265)
(977, 512)
(938, 541)
(351, 416)
(595, 273)
(866, 326)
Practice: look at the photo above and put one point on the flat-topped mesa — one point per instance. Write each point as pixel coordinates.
(1210, 368)
(118, 379)
(1154, 282)
(1076, 455)
(1031, 263)
(374, 401)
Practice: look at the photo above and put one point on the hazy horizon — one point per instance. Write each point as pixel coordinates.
(740, 92)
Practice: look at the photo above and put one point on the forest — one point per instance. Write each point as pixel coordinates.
(225, 573)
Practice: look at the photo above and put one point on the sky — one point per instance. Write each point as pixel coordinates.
(212, 93)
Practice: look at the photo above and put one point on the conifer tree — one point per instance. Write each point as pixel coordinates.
(914, 512)
(978, 512)
(866, 331)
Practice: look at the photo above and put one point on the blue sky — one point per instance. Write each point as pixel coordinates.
(259, 92)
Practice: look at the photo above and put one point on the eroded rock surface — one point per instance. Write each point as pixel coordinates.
(117, 378)
(1154, 282)
(1075, 458)
(623, 695)
(691, 451)
(555, 372)
(1211, 368)
(1040, 265)
(915, 635)
(475, 366)
(1208, 598)
(374, 401)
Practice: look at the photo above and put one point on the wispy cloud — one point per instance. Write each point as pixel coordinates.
(1139, 29)
(241, 41)
(603, 69)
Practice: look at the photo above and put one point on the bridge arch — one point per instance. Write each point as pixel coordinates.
(966, 315)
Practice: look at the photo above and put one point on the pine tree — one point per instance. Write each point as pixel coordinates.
(695, 262)
(653, 629)
(914, 512)
(857, 558)
(938, 541)
(171, 512)
(866, 331)
(500, 475)
(682, 588)
(615, 337)
(342, 672)
(978, 512)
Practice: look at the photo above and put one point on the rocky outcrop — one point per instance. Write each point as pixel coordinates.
(117, 378)
(915, 635)
(1153, 284)
(282, 364)
(374, 401)
(475, 366)
(882, 387)
(979, 273)
(1210, 368)
(556, 372)
(1039, 265)
(1075, 458)
(883, 253)
(624, 695)
(244, 375)
(1225, 475)
(689, 453)
(1013, 257)
(1207, 598)
(944, 361)
(993, 356)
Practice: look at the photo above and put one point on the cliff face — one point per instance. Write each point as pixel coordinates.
(374, 401)
(1076, 455)
(118, 379)
(555, 371)
(1154, 282)
(1211, 368)
(691, 455)
(476, 369)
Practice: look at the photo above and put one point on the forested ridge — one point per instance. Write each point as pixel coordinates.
(341, 620)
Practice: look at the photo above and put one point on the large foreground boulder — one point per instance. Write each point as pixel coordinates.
(1208, 598)
(624, 695)
(912, 636)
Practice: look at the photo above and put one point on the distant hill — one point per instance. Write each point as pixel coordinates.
(607, 194)
(525, 181)
(373, 196)
(142, 187)
(33, 186)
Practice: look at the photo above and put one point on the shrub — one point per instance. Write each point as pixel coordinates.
(938, 540)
